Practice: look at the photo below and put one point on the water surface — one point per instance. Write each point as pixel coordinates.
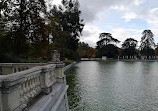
(113, 86)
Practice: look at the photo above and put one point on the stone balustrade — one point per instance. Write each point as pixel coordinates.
(19, 89)
(9, 68)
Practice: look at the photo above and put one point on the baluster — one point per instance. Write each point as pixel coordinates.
(25, 89)
(53, 76)
(14, 70)
(28, 88)
(38, 82)
(34, 85)
(18, 69)
(31, 87)
(22, 92)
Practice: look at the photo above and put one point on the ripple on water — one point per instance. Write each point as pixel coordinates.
(113, 86)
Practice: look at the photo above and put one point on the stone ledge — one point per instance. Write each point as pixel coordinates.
(51, 101)
(69, 66)
(23, 64)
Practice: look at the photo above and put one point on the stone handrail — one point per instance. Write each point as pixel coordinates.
(9, 68)
(18, 89)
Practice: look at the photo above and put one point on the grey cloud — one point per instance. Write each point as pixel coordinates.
(90, 8)
(86, 33)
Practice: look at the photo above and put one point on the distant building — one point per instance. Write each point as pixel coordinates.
(104, 58)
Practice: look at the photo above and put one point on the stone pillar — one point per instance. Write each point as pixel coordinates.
(59, 73)
(10, 96)
(46, 86)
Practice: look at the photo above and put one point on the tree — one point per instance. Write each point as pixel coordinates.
(105, 39)
(147, 43)
(83, 49)
(5, 29)
(73, 24)
(67, 25)
(27, 29)
(106, 47)
(110, 50)
(156, 50)
(129, 47)
(91, 52)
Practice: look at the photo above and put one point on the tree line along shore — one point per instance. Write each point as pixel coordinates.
(31, 29)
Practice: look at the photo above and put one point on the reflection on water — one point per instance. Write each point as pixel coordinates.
(113, 86)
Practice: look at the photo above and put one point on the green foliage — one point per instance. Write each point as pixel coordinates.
(24, 22)
(156, 50)
(110, 50)
(66, 27)
(106, 47)
(129, 47)
(147, 43)
(147, 52)
(91, 52)
(83, 49)
(67, 62)
(27, 30)
(105, 39)
(35, 60)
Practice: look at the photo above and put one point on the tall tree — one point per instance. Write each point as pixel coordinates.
(6, 19)
(106, 47)
(20, 27)
(106, 38)
(67, 26)
(129, 47)
(72, 22)
(147, 43)
(147, 40)
(27, 26)
(38, 29)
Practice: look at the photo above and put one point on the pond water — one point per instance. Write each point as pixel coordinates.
(113, 86)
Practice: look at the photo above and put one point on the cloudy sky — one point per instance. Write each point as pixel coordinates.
(122, 18)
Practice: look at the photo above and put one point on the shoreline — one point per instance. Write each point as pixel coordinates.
(126, 60)
(66, 68)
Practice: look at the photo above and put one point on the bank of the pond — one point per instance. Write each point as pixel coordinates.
(132, 60)
(69, 66)
(139, 60)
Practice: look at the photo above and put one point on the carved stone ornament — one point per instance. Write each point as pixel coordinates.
(55, 56)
